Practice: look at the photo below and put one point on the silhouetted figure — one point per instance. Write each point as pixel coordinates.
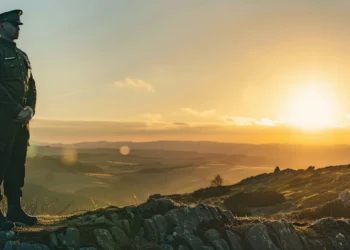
(17, 107)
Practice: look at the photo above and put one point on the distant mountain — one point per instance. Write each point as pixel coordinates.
(287, 155)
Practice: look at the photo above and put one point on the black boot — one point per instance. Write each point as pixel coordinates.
(16, 214)
(5, 224)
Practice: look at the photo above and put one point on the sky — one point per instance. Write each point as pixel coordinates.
(233, 71)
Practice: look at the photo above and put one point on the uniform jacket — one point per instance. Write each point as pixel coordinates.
(16, 82)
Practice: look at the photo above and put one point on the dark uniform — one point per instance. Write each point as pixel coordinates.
(17, 90)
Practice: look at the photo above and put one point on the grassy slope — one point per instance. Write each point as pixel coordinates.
(309, 194)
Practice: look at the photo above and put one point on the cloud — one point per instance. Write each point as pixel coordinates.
(247, 121)
(205, 113)
(135, 83)
(151, 118)
(180, 124)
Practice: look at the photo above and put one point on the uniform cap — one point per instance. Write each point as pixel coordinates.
(12, 16)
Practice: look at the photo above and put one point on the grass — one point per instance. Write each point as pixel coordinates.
(298, 194)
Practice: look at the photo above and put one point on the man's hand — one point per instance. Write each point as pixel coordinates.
(25, 115)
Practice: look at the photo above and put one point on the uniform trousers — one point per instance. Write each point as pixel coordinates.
(13, 152)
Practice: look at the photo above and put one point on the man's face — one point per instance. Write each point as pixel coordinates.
(10, 30)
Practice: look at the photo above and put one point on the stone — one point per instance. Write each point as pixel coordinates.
(211, 235)
(191, 240)
(53, 240)
(11, 245)
(233, 241)
(161, 225)
(124, 224)
(155, 196)
(340, 243)
(166, 247)
(119, 235)
(182, 247)
(259, 239)
(103, 220)
(69, 238)
(164, 205)
(151, 230)
(104, 239)
(206, 248)
(228, 216)
(40, 247)
(220, 244)
(115, 218)
(286, 234)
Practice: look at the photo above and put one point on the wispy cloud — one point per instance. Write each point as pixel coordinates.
(205, 113)
(135, 83)
(151, 118)
(247, 121)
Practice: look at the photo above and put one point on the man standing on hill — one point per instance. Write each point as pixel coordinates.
(17, 107)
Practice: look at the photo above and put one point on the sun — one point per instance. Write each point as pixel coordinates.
(310, 106)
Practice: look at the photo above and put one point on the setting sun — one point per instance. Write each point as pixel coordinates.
(311, 106)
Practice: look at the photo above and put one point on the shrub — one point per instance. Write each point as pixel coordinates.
(217, 181)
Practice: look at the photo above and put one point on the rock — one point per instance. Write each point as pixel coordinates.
(326, 223)
(155, 196)
(182, 247)
(151, 230)
(87, 248)
(92, 217)
(220, 244)
(38, 247)
(69, 238)
(233, 241)
(191, 240)
(215, 213)
(286, 234)
(104, 238)
(147, 209)
(103, 220)
(11, 245)
(211, 235)
(164, 205)
(161, 225)
(228, 216)
(53, 240)
(206, 248)
(119, 235)
(125, 225)
(170, 238)
(8, 235)
(166, 247)
(115, 218)
(15, 245)
(259, 239)
(340, 242)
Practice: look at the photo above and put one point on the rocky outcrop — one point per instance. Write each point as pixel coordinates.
(160, 224)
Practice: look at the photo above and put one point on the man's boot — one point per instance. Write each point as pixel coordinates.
(16, 214)
(5, 224)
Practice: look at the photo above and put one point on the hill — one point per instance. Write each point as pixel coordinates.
(304, 194)
(161, 224)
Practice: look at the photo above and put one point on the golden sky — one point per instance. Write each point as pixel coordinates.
(239, 71)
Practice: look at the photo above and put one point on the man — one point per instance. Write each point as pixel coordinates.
(17, 107)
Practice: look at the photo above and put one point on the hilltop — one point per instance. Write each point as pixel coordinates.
(304, 194)
(285, 209)
(161, 224)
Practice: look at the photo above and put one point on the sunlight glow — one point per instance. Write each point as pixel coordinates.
(310, 106)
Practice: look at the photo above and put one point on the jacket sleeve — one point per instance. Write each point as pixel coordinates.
(13, 107)
(32, 93)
